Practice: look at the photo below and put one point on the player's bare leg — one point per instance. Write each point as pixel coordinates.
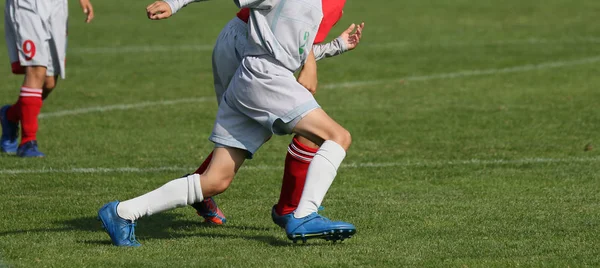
(118, 218)
(334, 141)
(49, 85)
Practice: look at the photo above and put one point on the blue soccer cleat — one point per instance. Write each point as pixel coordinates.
(121, 231)
(10, 133)
(317, 226)
(29, 149)
(280, 220)
(209, 210)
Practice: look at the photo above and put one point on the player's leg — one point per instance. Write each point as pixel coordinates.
(334, 141)
(9, 114)
(118, 218)
(29, 106)
(49, 85)
(300, 153)
(226, 58)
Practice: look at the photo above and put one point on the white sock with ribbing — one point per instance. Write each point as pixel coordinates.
(320, 175)
(176, 193)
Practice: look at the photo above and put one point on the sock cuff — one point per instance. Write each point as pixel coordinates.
(31, 92)
(301, 152)
(194, 189)
(303, 147)
(333, 152)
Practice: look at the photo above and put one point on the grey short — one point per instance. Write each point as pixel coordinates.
(36, 33)
(262, 99)
(228, 54)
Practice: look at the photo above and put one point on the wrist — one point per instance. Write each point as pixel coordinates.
(173, 5)
(342, 43)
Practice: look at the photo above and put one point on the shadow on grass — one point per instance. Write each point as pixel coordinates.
(160, 226)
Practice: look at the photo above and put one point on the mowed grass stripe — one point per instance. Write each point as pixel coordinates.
(515, 69)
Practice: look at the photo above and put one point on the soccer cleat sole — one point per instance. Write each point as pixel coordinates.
(332, 235)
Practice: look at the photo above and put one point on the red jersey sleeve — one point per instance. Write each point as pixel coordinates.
(332, 12)
(244, 14)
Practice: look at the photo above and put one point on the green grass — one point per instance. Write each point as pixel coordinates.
(529, 197)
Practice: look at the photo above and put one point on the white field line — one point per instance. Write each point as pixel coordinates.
(384, 45)
(101, 109)
(424, 163)
(467, 73)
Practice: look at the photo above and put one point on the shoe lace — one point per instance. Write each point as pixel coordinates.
(132, 231)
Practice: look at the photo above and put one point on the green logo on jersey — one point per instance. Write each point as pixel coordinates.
(305, 39)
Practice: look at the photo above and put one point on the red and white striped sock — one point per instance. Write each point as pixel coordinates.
(29, 106)
(297, 161)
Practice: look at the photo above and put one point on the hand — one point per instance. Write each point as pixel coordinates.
(308, 74)
(88, 10)
(159, 10)
(352, 39)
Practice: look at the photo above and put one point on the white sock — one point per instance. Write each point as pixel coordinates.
(320, 175)
(176, 193)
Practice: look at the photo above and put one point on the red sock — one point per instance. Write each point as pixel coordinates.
(294, 176)
(12, 114)
(30, 104)
(204, 165)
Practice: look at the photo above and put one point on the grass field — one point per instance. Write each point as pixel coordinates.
(469, 121)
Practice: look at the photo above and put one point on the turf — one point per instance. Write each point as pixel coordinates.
(475, 128)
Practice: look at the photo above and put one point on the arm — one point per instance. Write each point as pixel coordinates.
(164, 9)
(308, 74)
(345, 42)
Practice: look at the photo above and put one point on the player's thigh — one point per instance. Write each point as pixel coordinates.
(318, 127)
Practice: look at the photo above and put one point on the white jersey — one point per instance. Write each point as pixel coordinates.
(282, 29)
(36, 34)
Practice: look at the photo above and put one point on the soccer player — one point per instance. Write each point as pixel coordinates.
(36, 37)
(300, 150)
(262, 99)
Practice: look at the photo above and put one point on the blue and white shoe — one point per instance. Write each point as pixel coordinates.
(29, 149)
(10, 133)
(317, 226)
(209, 210)
(280, 220)
(121, 231)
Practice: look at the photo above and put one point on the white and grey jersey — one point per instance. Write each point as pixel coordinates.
(176, 5)
(333, 48)
(282, 29)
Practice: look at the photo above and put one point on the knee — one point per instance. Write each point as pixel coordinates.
(214, 185)
(343, 138)
(49, 85)
(222, 184)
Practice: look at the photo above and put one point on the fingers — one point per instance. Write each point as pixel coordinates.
(158, 10)
(88, 9)
(350, 29)
(150, 6)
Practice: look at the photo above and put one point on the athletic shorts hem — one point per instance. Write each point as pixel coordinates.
(225, 142)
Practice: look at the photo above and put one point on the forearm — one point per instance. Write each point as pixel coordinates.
(176, 5)
(333, 48)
